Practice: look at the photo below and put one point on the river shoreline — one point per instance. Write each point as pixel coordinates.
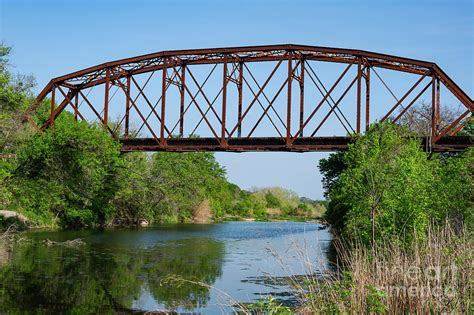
(22, 225)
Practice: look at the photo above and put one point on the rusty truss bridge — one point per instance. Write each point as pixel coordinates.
(259, 98)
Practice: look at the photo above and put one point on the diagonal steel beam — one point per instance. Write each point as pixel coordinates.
(209, 108)
(412, 102)
(322, 101)
(96, 113)
(255, 98)
(140, 92)
(329, 99)
(205, 96)
(336, 104)
(405, 96)
(140, 114)
(270, 104)
(193, 99)
(195, 95)
(263, 108)
(448, 128)
(264, 95)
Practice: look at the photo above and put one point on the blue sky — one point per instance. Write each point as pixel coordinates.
(51, 38)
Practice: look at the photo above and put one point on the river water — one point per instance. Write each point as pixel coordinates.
(186, 268)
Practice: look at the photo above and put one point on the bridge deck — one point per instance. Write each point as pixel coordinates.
(259, 144)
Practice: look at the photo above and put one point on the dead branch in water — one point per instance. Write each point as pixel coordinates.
(9, 234)
(69, 243)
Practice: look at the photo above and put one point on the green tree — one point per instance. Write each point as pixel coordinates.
(68, 172)
(15, 95)
(331, 169)
(132, 201)
(182, 181)
(385, 188)
(452, 196)
(272, 200)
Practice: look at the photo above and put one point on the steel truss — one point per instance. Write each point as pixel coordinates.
(175, 68)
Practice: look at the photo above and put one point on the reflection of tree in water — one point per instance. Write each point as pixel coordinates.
(198, 260)
(98, 279)
(56, 279)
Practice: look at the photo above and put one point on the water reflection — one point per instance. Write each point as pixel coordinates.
(93, 279)
(198, 260)
(124, 270)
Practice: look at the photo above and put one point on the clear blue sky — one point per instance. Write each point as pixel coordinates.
(51, 38)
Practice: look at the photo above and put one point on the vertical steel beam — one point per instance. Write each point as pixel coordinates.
(53, 96)
(288, 110)
(106, 98)
(302, 95)
(181, 105)
(163, 102)
(127, 107)
(239, 87)
(438, 109)
(433, 108)
(367, 99)
(76, 105)
(359, 84)
(224, 101)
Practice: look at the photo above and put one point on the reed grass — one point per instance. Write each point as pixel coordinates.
(434, 275)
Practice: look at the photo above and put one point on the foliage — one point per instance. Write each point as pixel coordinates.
(452, 196)
(384, 186)
(68, 172)
(387, 186)
(132, 201)
(181, 181)
(468, 129)
(115, 189)
(269, 306)
(283, 202)
(15, 96)
(271, 200)
(248, 205)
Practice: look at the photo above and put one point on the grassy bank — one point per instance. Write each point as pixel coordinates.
(433, 276)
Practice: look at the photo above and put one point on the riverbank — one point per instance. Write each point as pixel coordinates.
(433, 276)
(275, 219)
(202, 215)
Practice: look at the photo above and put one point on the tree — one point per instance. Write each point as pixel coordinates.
(15, 95)
(68, 172)
(272, 200)
(418, 118)
(180, 182)
(384, 189)
(452, 196)
(331, 169)
(131, 201)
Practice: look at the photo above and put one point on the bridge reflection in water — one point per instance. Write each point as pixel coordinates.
(259, 98)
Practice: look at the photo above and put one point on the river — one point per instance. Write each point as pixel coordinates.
(149, 269)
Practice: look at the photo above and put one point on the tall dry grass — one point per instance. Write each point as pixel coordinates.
(435, 275)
